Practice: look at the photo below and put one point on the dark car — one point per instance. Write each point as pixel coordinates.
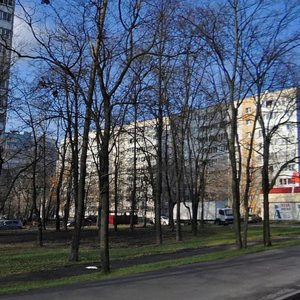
(11, 224)
(254, 219)
(85, 222)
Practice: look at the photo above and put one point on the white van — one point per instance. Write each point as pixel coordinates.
(224, 216)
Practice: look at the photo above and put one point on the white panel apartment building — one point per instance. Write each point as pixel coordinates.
(6, 27)
(18, 156)
(128, 145)
(135, 148)
(206, 142)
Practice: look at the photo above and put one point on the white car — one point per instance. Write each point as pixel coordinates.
(164, 220)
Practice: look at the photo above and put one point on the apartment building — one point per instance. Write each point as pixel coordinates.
(133, 156)
(132, 165)
(6, 30)
(282, 115)
(249, 143)
(204, 146)
(16, 179)
(133, 161)
(206, 150)
(280, 122)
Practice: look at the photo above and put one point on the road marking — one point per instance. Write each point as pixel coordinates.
(282, 294)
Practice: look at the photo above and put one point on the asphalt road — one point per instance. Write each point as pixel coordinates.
(264, 276)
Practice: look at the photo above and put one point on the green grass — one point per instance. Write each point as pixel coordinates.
(22, 261)
(36, 259)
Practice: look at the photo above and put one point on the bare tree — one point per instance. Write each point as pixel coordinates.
(243, 56)
(165, 50)
(120, 52)
(270, 68)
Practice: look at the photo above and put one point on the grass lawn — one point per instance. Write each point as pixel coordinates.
(26, 257)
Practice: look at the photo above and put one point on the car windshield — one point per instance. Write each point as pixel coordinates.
(228, 212)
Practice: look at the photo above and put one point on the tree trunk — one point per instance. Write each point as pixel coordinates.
(266, 189)
(79, 214)
(235, 177)
(178, 224)
(67, 204)
(158, 191)
(195, 205)
(116, 193)
(58, 188)
(133, 192)
(104, 187)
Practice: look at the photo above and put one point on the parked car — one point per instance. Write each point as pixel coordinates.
(254, 219)
(164, 220)
(11, 224)
(92, 218)
(85, 222)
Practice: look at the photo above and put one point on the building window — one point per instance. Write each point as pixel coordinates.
(6, 2)
(5, 34)
(223, 147)
(213, 150)
(3, 84)
(3, 52)
(248, 134)
(283, 181)
(248, 110)
(248, 122)
(290, 167)
(269, 103)
(5, 16)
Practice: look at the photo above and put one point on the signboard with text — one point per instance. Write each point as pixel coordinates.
(285, 211)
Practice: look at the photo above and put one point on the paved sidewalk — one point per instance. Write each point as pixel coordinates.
(268, 275)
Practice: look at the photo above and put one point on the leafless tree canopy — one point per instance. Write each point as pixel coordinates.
(135, 106)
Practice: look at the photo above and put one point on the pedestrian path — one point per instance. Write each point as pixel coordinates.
(80, 269)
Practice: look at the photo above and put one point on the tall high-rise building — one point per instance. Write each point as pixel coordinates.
(6, 28)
